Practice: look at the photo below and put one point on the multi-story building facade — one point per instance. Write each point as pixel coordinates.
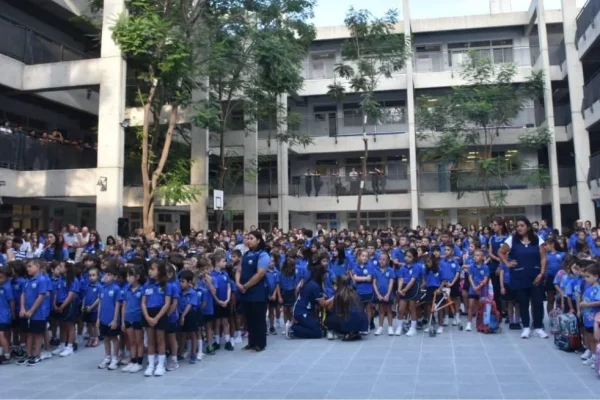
(44, 187)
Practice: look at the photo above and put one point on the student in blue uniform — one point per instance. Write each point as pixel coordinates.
(33, 315)
(409, 278)
(433, 284)
(188, 321)
(590, 306)
(54, 250)
(289, 283)
(90, 303)
(347, 316)
(109, 318)
(207, 286)
(155, 306)
(362, 275)
(65, 307)
(7, 312)
(273, 285)
(496, 240)
(512, 310)
(173, 316)
(306, 325)
(339, 263)
(450, 273)
(554, 259)
(528, 268)
(383, 285)
(18, 283)
(222, 297)
(479, 275)
(131, 321)
(250, 280)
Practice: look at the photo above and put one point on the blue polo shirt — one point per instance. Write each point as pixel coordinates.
(33, 288)
(6, 296)
(364, 288)
(188, 297)
(91, 294)
(110, 297)
(449, 268)
(133, 303)
(155, 294)
(272, 280)
(307, 299)
(63, 289)
(478, 273)
(383, 277)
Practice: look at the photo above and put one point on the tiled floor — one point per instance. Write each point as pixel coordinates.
(454, 365)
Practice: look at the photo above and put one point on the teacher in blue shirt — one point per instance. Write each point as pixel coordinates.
(251, 282)
(525, 254)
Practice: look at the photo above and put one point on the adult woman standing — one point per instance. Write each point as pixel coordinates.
(251, 282)
(495, 242)
(527, 270)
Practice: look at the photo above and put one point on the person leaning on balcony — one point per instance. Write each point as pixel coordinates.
(318, 183)
(308, 182)
(354, 183)
(337, 178)
(5, 127)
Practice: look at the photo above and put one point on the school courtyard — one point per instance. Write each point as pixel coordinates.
(454, 365)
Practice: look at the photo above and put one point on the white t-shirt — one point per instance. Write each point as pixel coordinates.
(509, 241)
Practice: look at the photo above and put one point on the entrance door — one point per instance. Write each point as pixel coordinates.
(184, 224)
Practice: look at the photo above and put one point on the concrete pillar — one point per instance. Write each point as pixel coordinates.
(453, 215)
(410, 111)
(251, 174)
(111, 137)
(283, 210)
(199, 169)
(581, 138)
(549, 106)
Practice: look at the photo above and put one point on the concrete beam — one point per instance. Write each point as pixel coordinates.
(531, 17)
(135, 115)
(66, 74)
(77, 7)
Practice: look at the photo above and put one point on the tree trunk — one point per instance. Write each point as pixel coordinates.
(221, 180)
(363, 177)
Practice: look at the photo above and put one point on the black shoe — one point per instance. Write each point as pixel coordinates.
(419, 325)
(22, 360)
(75, 346)
(33, 361)
(216, 346)
(54, 342)
(272, 331)
(462, 313)
(373, 326)
(228, 346)
(210, 350)
(247, 347)
(507, 321)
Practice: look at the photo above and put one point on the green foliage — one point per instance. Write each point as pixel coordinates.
(462, 126)
(174, 184)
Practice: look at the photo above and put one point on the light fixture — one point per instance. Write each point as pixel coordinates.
(125, 123)
(209, 152)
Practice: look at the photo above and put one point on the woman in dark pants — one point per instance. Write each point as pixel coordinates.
(525, 254)
(495, 242)
(251, 282)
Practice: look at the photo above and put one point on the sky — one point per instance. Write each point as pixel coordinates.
(332, 12)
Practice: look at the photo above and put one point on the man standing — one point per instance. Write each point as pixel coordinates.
(71, 240)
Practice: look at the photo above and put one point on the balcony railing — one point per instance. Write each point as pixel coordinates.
(24, 153)
(586, 17)
(594, 172)
(562, 115)
(30, 47)
(455, 59)
(567, 177)
(591, 90)
(469, 181)
(329, 185)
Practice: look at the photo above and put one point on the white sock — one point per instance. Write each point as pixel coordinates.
(199, 345)
(238, 334)
(174, 358)
(401, 322)
(161, 360)
(151, 358)
(70, 346)
(413, 324)
(232, 342)
(127, 353)
(79, 338)
(227, 337)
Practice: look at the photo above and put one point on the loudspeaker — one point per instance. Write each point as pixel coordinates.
(123, 227)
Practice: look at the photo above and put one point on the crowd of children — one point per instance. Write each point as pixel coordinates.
(177, 299)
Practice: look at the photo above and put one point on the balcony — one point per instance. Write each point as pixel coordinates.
(454, 60)
(586, 17)
(30, 47)
(467, 181)
(594, 171)
(24, 153)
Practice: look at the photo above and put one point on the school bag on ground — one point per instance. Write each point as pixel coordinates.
(567, 338)
(553, 316)
(488, 316)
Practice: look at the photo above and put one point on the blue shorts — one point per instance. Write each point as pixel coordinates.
(69, 314)
(367, 298)
(5, 327)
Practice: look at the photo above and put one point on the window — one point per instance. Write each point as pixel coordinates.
(267, 221)
(428, 59)
(322, 65)
(236, 120)
(238, 221)
(499, 51)
(164, 217)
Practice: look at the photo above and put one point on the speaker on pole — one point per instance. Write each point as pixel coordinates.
(123, 227)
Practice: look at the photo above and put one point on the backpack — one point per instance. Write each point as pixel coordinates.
(554, 314)
(567, 338)
(488, 316)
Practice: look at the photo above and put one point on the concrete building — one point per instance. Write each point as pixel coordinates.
(53, 77)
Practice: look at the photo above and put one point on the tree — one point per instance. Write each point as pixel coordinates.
(470, 118)
(374, 51)
(255, 52)
(162, 41)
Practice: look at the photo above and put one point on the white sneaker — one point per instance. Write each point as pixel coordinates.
(525, 334)
(238, 339)
(411, 332)
(593, 364)
(456, 321)
(160, 370)
(135, 368)
(66, 352)
(427, 330)
(439, 330)
(104, 363)
(541, 333)
(45, 355)
(399, 331)
(468, 328)
(58, 350)
(287, 327)
(378, 331)
(149, 370)
(128, 367)
(114, 364)
(390, 331)
(446, 321)
(586, 355)
(199, 355)
(330, 335)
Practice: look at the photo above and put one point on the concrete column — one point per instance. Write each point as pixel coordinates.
(549, 106)
(199, 169)
(283, 211)
(581, 138)
(410, 111)
(251, 175)
(453, 215)
(111, 137)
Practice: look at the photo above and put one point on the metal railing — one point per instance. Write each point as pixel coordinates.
(469, 181)
(567, 177)
(24, 153)
(591, 90)
(594, 171)
(30, 47)
(562, 115)
(330, 185)
(314, 69)
(558, 54)
(586, 17)
(454, 60)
